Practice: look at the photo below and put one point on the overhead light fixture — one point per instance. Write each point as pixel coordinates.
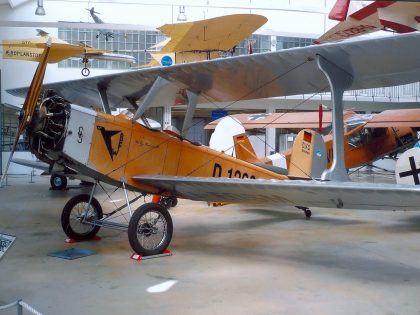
(40, 8)
(181, 16)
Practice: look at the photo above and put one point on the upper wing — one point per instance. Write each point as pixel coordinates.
(311, 193)
(221, 33)
(395, 118)
(287, 72)
(290, 120)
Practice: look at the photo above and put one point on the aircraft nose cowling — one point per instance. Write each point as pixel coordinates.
(47, 130)
(79, 134)
(61, 130)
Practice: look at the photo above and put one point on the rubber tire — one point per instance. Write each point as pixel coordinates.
(132, 229)
(174, 202)
(65, 217)
(62, 185)
(308, 213)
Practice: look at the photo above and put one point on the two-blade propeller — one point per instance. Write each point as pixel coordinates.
(30, 103)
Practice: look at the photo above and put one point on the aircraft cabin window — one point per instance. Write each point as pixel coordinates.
(359, 138)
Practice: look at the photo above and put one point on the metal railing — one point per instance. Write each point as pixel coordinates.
(20, 305)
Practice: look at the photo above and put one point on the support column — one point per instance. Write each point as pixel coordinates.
(167, 116)
(339, 80)
(270, 135)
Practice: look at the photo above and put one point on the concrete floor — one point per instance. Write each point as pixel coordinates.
(227, 260)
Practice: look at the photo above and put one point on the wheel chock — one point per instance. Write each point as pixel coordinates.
(138, 257)
(72, 241)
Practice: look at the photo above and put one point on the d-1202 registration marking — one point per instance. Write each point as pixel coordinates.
(218, 171)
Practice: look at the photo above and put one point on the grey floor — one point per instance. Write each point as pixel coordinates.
(227, 260)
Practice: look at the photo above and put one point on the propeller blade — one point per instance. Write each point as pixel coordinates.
(30, 103)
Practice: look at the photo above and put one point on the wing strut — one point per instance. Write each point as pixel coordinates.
(192, 103)
(104, 98)
(150, 96)
(339, 80)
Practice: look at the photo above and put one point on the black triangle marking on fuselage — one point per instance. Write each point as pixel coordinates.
(107, 135)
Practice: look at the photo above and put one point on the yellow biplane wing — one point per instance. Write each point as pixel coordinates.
(221, 33)
(32, 49)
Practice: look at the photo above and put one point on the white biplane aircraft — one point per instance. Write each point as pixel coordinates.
(362, 17)
(120, 151)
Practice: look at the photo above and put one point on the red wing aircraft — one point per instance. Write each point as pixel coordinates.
(120, 151)
(367, 137)
(362, 17)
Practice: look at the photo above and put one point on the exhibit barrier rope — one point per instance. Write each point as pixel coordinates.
(20, 305)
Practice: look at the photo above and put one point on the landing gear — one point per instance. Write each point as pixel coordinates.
(169, 202)
(58, 182)
(308, 213)
(85, 71)
(150, 229)
(77, 215)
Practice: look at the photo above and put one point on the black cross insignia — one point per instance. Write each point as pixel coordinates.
(414, 171)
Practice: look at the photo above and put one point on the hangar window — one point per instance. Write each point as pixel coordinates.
(284, 42)
(9, 125)
(128, 42)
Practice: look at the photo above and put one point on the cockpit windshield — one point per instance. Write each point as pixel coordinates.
(358, 120)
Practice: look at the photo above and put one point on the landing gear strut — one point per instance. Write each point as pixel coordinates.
(149, 227)
(308, 213)
(85, 70)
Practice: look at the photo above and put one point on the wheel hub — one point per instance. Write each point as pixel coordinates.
(147, 229)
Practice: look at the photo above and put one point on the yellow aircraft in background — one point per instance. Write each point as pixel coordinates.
(204, 39)
(31, 50)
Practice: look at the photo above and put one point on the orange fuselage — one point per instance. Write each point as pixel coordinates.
(365, 150)
(137, 150)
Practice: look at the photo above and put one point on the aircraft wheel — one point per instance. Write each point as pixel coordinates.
(150, 229)
(73, 214)
(85, 72)
(169, 202)
(308, 213)
(58, 182)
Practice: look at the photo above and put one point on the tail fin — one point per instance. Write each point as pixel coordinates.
(339, 10)
(246, 152)
(309, 156)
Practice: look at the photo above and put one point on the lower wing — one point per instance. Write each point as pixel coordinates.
(312, 193)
